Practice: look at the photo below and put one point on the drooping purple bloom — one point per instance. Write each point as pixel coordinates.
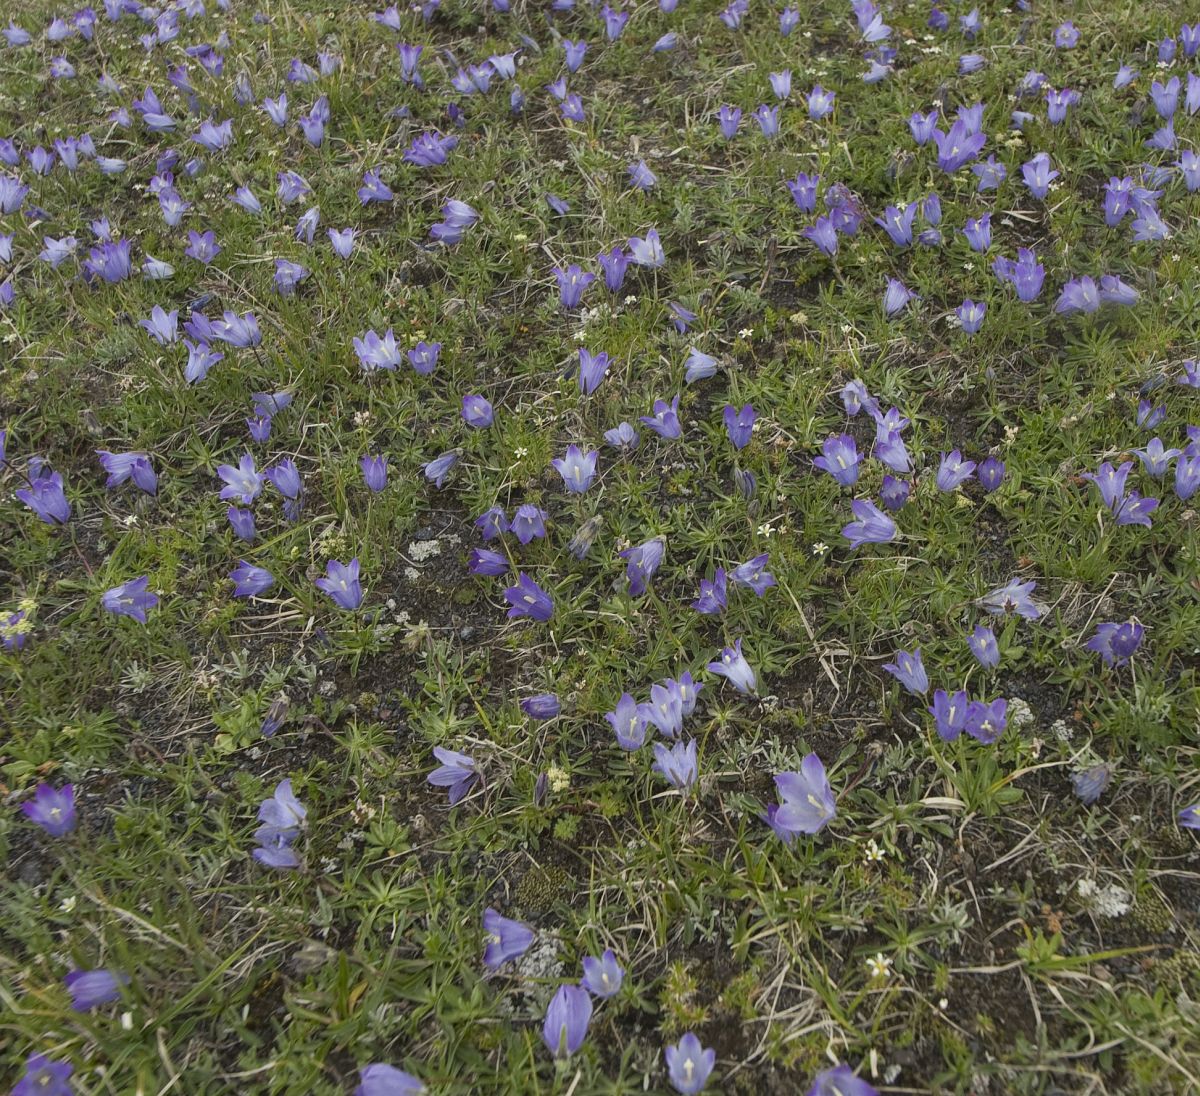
(1038, 175)
(439, 468)
(457, 772)
(161, 325)
(506, 939)
(128, 466)
(52, 808)
(483, 561)
(528, 599)
(820, 103)
(614, 264)
(896, 297)
(341, 583)
(698, 366)
(542, 707)
(1089, 784)
(130, 599)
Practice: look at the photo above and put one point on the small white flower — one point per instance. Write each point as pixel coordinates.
(820, 548)
(879, 966)
(873, 853)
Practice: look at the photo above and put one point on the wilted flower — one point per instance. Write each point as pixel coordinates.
(439, 468)
(677, 764)
(1089, 784)
(1013, 597)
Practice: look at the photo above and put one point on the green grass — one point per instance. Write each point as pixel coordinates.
(959, 864)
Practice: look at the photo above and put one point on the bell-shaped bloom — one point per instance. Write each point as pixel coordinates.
(241, 522)
(424, 357)
(376, 352)
(92, 988)
(528, 523)
(898, 224)
(806, 801)
(341, 583)
(957, 146)
(949, 713)
(602, 977)
(641, 562)
(1110, 482)
(665, 419)
(528, 599)
(380, 1079)
(820, 103)
(1026, 274)
(592, 368)
(840, 1081)
(648, 251)
(990, 474)
(571, 283)
(1187, 476)
(613, 264)
(953, 471)
(677, 764)
(578, 469)
(162, 326)
(250, 581)
(128, 466)
(492, 523)
(506, 939)
(239, 331)
(1156, 458)
(457, 772)
(1116, 642)
(909, 670)
(374, 472)
(871, 525)
(739, 424)
(839, 457)
(728, 120)
(689, 1064)
(439, 468)
(1078, 295)
(712, 597)
(665, 709)
(43, 1076)
(477, 412)
(753, 573)
(698, 366)
(896, 297)
(1038, 175)
(542, 707)
(52, 808)
(285, 478)
(131, 599)
(893, 492)
(628, 722)
(567, 1019)
(733, 666)
(483, 561)
(242, 481)
(1189, 817)
(978, 231)
(641, 177)
(987, 721)
(983, 645)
